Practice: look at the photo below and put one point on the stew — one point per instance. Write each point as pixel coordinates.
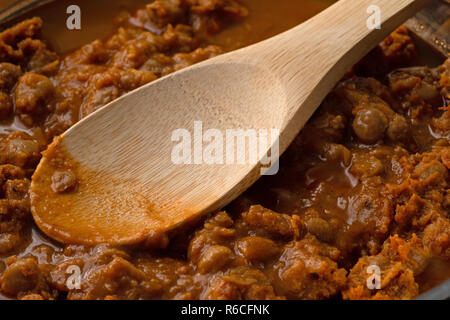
(365, 184)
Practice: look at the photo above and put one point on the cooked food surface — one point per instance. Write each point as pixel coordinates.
(365, 184)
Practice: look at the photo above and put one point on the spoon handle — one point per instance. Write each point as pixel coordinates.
(311, 58)
(336, 36)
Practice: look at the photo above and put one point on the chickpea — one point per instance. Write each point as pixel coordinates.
(370, 125)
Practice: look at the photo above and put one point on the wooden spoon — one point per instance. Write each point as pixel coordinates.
(129, 189)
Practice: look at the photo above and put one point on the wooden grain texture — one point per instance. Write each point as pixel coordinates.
(123, 151)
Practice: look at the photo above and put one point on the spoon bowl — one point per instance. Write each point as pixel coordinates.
(138, 178)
